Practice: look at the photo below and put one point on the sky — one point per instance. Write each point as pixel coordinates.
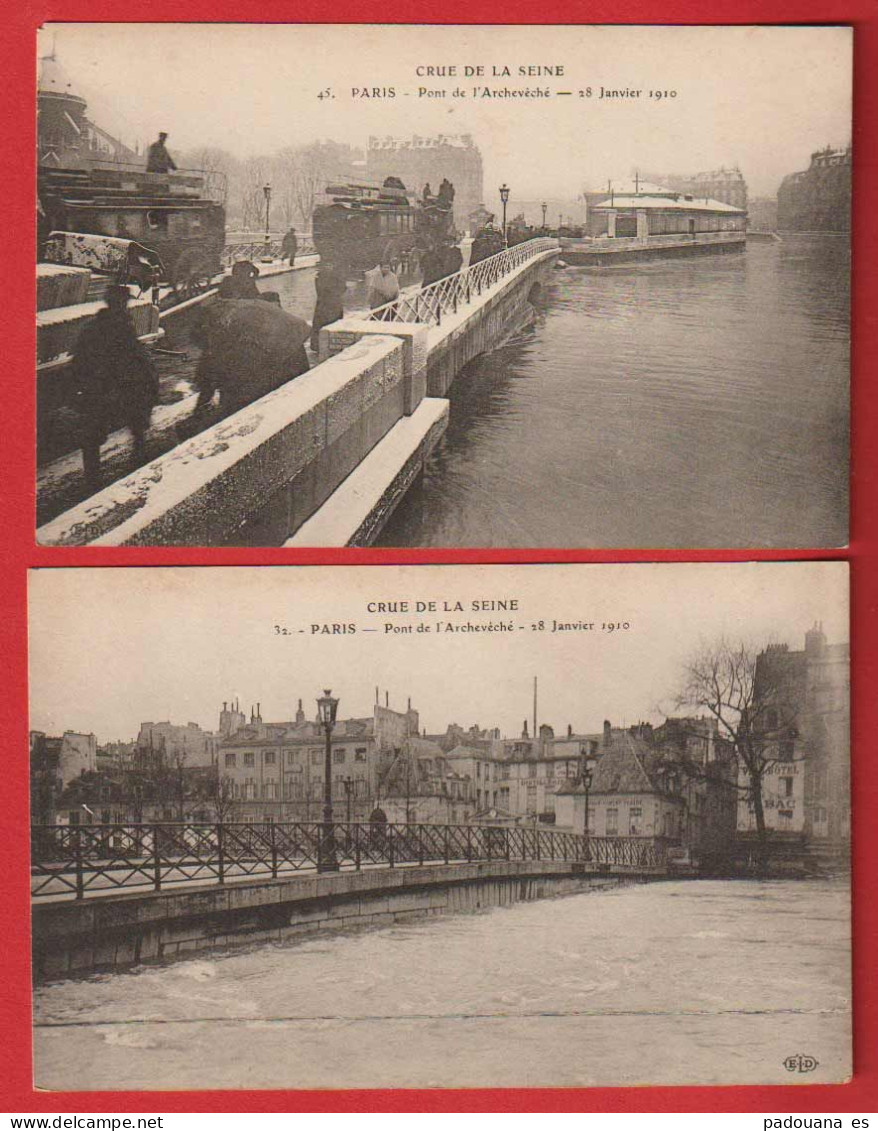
(760, 97)
(112, 648)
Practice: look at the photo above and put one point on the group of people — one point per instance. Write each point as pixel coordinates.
(444, 198)
(246, 351)
(443, 258)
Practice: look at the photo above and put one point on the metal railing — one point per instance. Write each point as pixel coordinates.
(445, 295)
(254, 247)
(76, 860)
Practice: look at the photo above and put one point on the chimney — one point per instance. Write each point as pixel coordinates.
(592, 748)
(608, 735)
(387, 699)
(570, 730)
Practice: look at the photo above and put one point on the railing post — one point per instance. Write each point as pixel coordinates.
(357, 859)
(273, 852)
(537, 843)
(77, 859)
(221, 865)
(390, 846)
(469, 845)
(506, 831)
(447, 853)
(156, 860)
(420, 829)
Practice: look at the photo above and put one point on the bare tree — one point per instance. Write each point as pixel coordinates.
(225, 804)
(724, 678)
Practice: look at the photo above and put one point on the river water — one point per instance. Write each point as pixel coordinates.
(677, 982)
(679, 402)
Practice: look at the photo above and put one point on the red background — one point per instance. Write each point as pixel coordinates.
(18, 56)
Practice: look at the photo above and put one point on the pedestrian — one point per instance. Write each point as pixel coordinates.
(158, 160)
(249, 348)
(382, 286)
(427, 193)
(242, 281)
(114, 380)
(289, 246)
(452, 259)
(331, 286)
(431, 265)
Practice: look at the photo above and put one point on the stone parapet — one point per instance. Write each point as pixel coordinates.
(265, 469)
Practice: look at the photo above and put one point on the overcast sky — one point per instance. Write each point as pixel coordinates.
(762, 98)
(112, 648)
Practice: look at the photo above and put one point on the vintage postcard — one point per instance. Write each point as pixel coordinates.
(316, 285)
(440, 826)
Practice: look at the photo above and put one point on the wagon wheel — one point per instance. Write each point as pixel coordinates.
(192, 274)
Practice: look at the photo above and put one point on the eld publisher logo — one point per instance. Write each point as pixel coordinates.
(800, 1063)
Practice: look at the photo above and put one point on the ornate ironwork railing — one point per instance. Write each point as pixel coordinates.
(80, 860)
(444, 296)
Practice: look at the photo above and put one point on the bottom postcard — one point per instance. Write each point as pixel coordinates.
(440, 826)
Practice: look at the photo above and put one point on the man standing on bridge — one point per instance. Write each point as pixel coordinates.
(115, 381)
(158, 160)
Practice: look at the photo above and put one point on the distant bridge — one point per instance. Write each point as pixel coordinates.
(106, 896)
(325, 459)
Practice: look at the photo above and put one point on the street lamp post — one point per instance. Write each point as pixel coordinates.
(504, 198)
(327, 708)
(266, 189)
(586, 779)
(544, 207)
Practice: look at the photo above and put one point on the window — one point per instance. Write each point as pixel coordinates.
(249, 759)
(360, 754)
(635, 815)
(550, 769)
(315, 757)
(532, 770)
(270, 758)
(157, 220)
(338, 756)
(786, 785)
(230, 761)
(612, 822)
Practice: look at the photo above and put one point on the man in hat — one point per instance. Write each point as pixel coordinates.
(242, 281)
(158, 160)
(115, 381)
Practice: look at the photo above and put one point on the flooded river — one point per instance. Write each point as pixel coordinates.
(685, 402)
(677, 982)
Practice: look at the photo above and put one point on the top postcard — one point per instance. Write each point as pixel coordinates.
(391, 285)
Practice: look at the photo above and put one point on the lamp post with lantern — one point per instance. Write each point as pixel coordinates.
(544, 207)
(586, 777)
(327, 709)
(504, 199)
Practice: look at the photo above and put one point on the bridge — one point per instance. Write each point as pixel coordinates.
(325, 459)
(106, 896)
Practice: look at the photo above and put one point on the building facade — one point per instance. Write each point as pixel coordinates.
(275, 771)
(418, 161)
(805, 728)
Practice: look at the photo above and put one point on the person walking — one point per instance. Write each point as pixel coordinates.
(158, 160)
(382, 286)
(115, 380)
(290, 246)
(331, 286)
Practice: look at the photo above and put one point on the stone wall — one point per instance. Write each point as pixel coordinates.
(261, 471)
(115, 932)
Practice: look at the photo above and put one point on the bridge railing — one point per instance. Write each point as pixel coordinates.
(428, 304)
(75, 860)
(254, 247)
